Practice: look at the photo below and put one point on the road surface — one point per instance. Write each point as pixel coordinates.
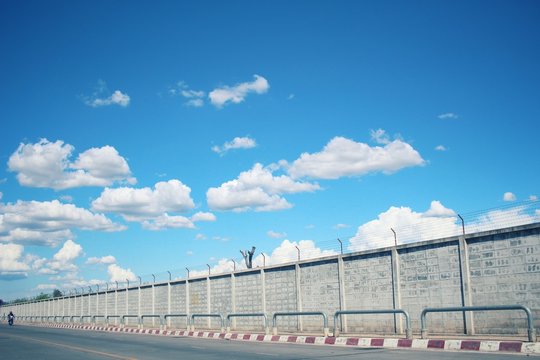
(28, 342)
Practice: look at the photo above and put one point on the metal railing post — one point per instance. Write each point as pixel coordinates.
(531, 332)
(300, 313)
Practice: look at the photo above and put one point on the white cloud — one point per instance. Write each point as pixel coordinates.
(203, 216)
(448, 115)
(189, 253)
(380, 136)
(116, 273)
(410, 226)
(287, 252)
(275, 234)
(69, 252)
(63, 260)
(437, 209)
(290, 97)
(47, 165)
(194, 97)
(237, 143)
(256, 189)
(341, 226)
(66, 198)
(236, 94)
(48, 222)
(508, 196)
(440, 148)
(195, 102)
(200, 237)
(109, 259)
(146, 203)
(117, 98)
(166, 221)
(345, 157)
(533, 197)
(46, 287)
(11, 259)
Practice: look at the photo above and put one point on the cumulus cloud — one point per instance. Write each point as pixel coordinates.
(275, 234)
(287, 252)
(46, 287)
(203, 216)
(194, 98)
(167, 221)
(145, 203)
(448, 116)
(47, 165)
(48, 222)
(440, 148)
(345, 157)
(104, 260)
(438, 221)
(256, 189)
(11, 260)
(116, 98)
(116, 273)
(508, 196)
(237, 143)
(61, 262)
(237, 94)
(380, 136)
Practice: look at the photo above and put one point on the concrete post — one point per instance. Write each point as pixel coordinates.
(188, 300)
(153, 302)
(233, 299)
(396, 290)
(127, 305)
(208, 300)
(168, 324)
(342, 299)
(263, 290)
(466, 293)
(116, 304)
(298, 295)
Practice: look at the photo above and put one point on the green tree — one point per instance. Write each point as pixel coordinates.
(57, 293)
(42, 296)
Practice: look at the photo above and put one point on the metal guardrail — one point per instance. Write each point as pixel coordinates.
(94, 317)
(531, 332)
(142, 317)
(300, 313)
(263, 315)
(408, 329)
(124, 317)
(112, 317)
(193, 316)
(84, 317)
(166, 316)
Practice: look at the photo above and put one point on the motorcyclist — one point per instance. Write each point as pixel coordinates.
(11, 317)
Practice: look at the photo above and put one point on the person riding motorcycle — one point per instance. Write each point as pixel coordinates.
(11, 317)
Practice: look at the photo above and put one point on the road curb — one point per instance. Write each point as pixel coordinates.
(417, 344)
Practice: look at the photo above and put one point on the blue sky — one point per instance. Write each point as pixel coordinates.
(142, 137)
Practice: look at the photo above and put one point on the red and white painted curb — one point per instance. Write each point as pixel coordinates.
(426, 344)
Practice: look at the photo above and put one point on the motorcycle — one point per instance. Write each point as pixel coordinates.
(10, 320)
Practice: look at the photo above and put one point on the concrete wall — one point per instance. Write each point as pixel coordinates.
(491, 268)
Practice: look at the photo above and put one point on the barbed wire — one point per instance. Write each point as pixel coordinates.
(373, 235)
(421, 227)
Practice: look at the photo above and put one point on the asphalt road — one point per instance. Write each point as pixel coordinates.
(27, 342)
